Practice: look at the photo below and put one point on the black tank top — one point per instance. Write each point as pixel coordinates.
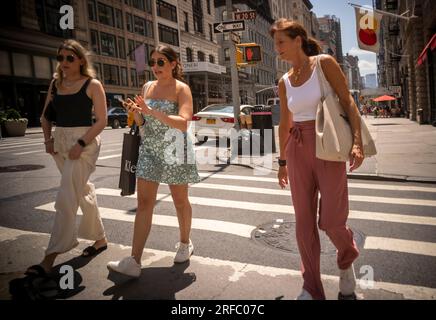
(73, 110)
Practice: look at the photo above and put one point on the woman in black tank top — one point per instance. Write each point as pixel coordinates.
(74, 145)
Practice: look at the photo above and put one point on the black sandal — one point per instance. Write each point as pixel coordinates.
(36, 270)
(92, 251)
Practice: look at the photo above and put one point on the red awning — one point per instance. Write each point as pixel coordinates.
(431, 45)
(384, 98)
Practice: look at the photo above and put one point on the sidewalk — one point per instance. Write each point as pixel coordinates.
(406, 151)
(200, 279)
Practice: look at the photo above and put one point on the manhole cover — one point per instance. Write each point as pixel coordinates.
(21, 168)
(281, 235)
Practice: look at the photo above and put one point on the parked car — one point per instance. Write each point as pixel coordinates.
(216, 120)
(117, 117)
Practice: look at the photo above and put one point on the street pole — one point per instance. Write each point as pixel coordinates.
(234, 70)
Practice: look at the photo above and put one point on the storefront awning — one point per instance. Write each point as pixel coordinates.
(431, 45)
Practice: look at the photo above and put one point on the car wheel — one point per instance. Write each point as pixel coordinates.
(115, 124)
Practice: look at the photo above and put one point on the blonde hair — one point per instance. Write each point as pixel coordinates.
(293, 29)
(86, 69)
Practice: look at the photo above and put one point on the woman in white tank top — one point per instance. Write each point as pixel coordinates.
(300, 94)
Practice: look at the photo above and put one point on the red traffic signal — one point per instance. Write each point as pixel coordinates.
(252, 54)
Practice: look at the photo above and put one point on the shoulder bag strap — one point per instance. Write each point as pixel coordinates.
(321, 77)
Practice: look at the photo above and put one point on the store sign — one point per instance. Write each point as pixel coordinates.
(396, 90)
(203, 67)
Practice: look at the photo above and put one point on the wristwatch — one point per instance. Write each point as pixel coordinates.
(282, 163)
(81, 143)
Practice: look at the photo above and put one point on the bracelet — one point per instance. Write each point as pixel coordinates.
(81, 143)
(282, 163)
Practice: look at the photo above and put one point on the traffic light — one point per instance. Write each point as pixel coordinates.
(248, 54)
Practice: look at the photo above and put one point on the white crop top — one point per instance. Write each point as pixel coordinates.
(303, 101)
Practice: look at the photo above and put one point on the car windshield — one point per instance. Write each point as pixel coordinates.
(220, 109)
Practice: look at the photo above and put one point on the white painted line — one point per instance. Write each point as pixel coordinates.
(110, 150)
(241, 269)
(103, 144)
(28, 152)
(238, 229)
(17, 142)
(26, 145)
(403, 201)
(266, 207)
(378, 186)
(110, 157)
(399, 245)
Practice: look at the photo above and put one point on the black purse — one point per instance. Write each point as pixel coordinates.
(50, 111)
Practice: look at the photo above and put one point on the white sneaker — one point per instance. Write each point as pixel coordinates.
(347, 281)
(127, 266)
(184, 251)
(304, 295)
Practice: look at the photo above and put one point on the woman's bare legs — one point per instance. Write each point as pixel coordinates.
(180, 195)
(147, 192)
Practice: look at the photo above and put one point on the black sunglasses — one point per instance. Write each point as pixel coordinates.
(160, 62)
(69, 58)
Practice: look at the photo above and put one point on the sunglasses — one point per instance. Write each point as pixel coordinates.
(160, 62)
(69, 58)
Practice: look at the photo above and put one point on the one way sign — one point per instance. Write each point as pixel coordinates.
(227, 26)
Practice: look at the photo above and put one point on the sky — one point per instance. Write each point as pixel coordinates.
(345, 12)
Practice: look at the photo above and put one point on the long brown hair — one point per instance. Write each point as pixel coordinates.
(171, 55)
(293, 29)
(86, 69)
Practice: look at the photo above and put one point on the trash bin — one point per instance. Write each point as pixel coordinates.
(262, 120)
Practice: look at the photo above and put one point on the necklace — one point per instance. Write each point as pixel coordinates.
(296, 74)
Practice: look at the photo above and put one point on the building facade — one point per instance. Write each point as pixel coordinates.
(330, 36)
(371, 81)
(406, 60)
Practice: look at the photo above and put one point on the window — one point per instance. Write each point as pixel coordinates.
(168, 35)
(108, 45)
(148, 7)
(186, 21)
(138, 4)
(197, 12)
(5, 64)
(208, 6)
(92, 11)
(139, 25)
(166, 10)
(121, 48)
(149, 29)
(47, 12)
(105, 14)
(211, 32)
(227, 54)
(189, 55)
(119, 18)
(211, 58)
(94, 42)
(129, 22)
(22, 65)
(131, 48)
(110, 74)
(97, 68)
(123, 76)
(133, 78)
(200, 55)
(42, 67)
(148, 76)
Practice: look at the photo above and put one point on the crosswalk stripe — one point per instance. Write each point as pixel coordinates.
(405, 201)
(286, 209)
(109, 157)
(400, 245)
(28, 152)
(111, 150)
(238, 229)
(387, 187)
(27, 145)
(241, 269)
(12, 143)
(243, 230)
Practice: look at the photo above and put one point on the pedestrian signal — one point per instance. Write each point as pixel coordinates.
(251, 54)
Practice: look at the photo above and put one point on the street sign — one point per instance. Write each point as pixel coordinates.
(235, 38)
(245, 15)
(228, 26)
(396, 90)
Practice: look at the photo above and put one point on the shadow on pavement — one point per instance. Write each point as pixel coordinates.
(153, 283)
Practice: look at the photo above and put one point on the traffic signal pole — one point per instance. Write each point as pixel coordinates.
(234, 70)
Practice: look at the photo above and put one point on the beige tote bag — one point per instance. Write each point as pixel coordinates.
(334, 139)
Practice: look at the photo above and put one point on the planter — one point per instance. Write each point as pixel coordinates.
(16, 128)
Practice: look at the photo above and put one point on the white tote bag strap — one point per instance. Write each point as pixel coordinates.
(321, 78)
